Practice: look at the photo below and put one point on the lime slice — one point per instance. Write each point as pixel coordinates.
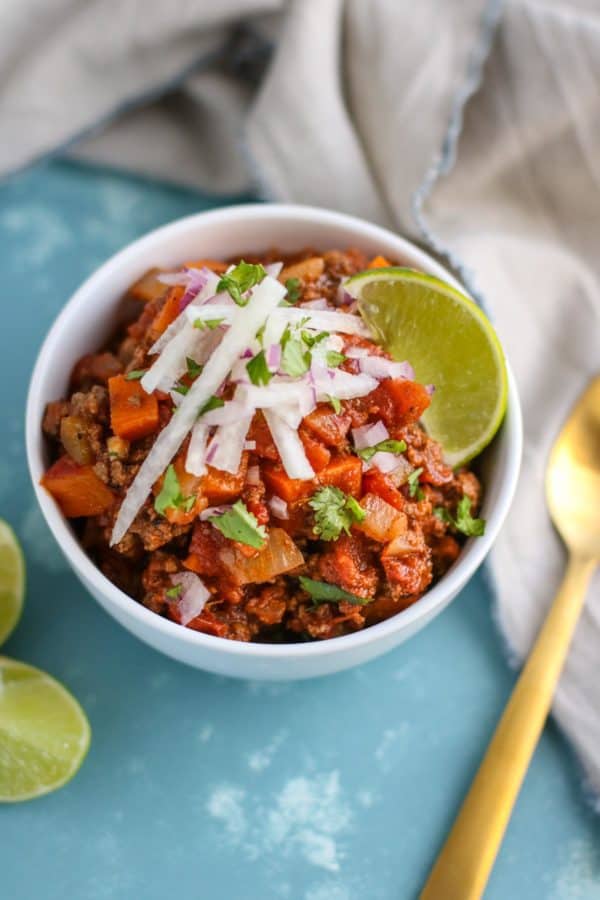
(450, 343)
(44, 734)
(12, 581)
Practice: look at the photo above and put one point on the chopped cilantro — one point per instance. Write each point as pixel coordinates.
(243, 277)
(174, 592)
(336, 403)
(135, 374)
(323, 592)
(239, 524)
(414, 489)
(293, 288)
(181, 389)
(334, 359)
(311, 339)
(213, 402)
(170, 496)
(388, 446)
(258, 369)
(193, 368)
(464, 521)
(208, 323)
(295, 357)
(335, 512)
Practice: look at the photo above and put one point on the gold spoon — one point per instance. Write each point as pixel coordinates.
(573, 496)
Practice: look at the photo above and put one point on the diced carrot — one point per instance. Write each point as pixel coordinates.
(168, 312)
(401, 402)
(379, 262)
(345, 473)
(77, 489)
(148, 287)
(306, 269)
(214, 265)
(376, 482)
(327, 426)
(317, 454)
(289, 489)
(133, 413)
(222, 487)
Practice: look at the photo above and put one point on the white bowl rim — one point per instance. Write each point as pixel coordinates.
(472, 553)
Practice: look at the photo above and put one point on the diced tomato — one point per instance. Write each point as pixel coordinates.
(327, 426)
(345, 473)
(77, 489)
(223, 487)
(134, 414)
(376, 482)
(260, 433)
(317, 454)
(168, 312)
(205, 544)
(401, 402)
(289, 489)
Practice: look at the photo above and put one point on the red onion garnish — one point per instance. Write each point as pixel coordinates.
(212, 511)
(430, 388)
(380, 367)
(279, 508)
(273, 356)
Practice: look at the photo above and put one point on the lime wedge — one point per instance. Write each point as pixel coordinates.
(450, 343)
(12, 580)
(44, 734)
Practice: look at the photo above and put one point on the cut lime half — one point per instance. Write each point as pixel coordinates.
(44, 733)
(450, 343)
(12, 581)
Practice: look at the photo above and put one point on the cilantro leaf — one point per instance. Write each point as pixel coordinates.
(464, 521)
(135, 374)
(213, 402)
(414, 489)
(258, 369)
(193, 368)
(295, 357)
(243, 277)
(208, 323)
(335, 512)
(174, 592)
(311, 339)
(387, 446)
(181, 389)
(336, 403)
(334, 359)
(170, 496)
(239, 524)
(323, 592)
(293, 288)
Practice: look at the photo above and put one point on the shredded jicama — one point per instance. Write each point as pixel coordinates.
(290, 447)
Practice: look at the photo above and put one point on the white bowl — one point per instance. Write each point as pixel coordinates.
(88, 318)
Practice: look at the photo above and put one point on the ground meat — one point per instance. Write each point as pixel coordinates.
(157, 579)
(54, 412)
(269, 605)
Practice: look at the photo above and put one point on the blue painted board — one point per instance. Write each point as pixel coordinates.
(200, 787)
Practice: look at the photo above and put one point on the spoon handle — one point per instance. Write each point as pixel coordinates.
(465, 861)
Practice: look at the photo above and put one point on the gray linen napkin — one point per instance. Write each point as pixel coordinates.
(470, 125)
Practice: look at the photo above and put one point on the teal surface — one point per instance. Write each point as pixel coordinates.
(200, 787)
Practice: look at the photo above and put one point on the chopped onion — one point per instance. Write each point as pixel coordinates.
(280, 554)
(382, 521)
(319, 303)
(229, 441)
(264, 299)
(290, 447)
(380, 367)
(369, 435)
(279, 508)
(194, 461)
(385, 462)
(212, 511)
(356, 352)
(253, 473)
(192, 600)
